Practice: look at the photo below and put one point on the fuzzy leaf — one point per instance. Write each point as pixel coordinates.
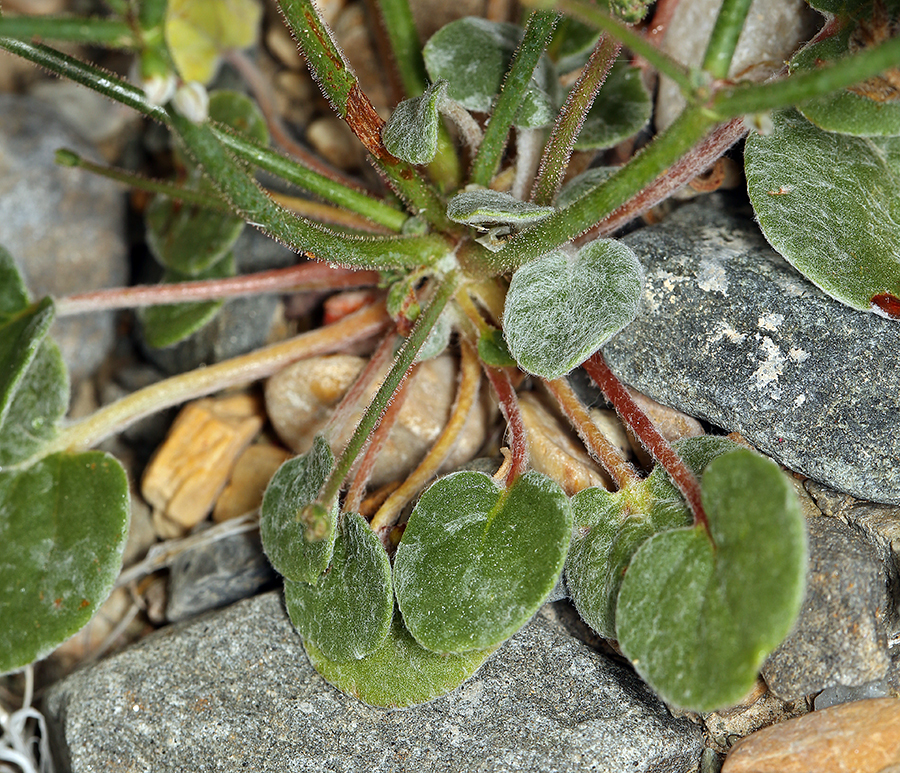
(347, 614)
(845, 111)
(411, 134)
(287, 527)
(400, 672)
(571, 44)
(828, 203)
(477, 561)
(63, 524)
(622, 108)
(610, 527)
(168, 324)
(698, 620)
(473, 55)
(199, 31)
(559, 310)
(13, 294)
(583, 184)
(492, 350)
(486, 208)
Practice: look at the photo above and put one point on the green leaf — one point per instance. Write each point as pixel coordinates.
(484, 208)
(559, 309)
(240, 113)
(411, 134)
(294, 538)
(622, 108)
(34, 385)
(829, 204)
(631, 11)
(571, 44)
(13, 294)
(610, 527)
(477, 561)
(168, 324)
(697, 619)
(492, 350)
(347, 614)
(583, 184)
(844, 111)
(63, 524)
(473, 55)
(400, 673)
(199, 31)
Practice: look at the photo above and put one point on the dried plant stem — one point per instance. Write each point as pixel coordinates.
(306, 276)
(239, 370)
(509, 406)
(649, 436)
(466, 394)
(609, 457)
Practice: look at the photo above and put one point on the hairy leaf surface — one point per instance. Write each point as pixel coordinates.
(411, 133)
(486, 208)
(476, 561)
(559, 309)
(622, 108)
(697, 619)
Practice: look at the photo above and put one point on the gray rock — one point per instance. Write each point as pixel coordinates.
(242, 325)
(839, 638)
(729, 332)
(64, 227)
(234, 691)
(217, 573)
(879, 524)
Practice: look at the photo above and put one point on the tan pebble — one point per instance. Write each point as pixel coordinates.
(555, 451)
(190, 468)
(283, 47)
(252, 472)
(332, 139)
(351, 28)
(611, 428)
(859, 737)
(294, 96)
(141, 535)
(671, 423)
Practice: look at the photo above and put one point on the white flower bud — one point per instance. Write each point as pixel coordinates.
(192, 101)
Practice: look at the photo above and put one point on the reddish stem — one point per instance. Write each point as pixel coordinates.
(649, 436)
(509, 406)
(306, 276)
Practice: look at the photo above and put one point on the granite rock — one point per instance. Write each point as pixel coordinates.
(233, 690)
(64, 227)
(839, 637)
(729, 332)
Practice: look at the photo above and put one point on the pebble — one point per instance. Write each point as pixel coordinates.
(730, 333)
(773, 31)
(252, 472)
(860, 737)
(233, 690)
(333, 140)
(299, 401)
(64, 227)
(217, 573)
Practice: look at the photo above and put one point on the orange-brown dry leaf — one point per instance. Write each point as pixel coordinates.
(192, 465)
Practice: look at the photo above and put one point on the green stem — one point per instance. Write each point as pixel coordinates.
(255, 207)
(106, 83)
(264, 362)
(559, 147)
(110, 33)
(404, 360)
(406, 47)
(341, 88)
(724, 38)
(537, 33)
(590, 14)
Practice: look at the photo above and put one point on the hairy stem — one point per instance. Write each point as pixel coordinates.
(111, 33)
(306, 276)
(509, 406)
(724, 38)
(643, 428)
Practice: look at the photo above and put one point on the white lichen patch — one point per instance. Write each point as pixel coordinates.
(727, 332)
(712, 278)
(799, 400)
(798, 355)
(770, 321)
(770, 368)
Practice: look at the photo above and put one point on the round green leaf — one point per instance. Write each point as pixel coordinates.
(63, 524)
(411, 133)
(697, 619)
(844, 111)
(473, 55)
(583, 184)
(293, 537)
(400, 672)
(347, 614)
(559, 309)
(492, 350)
(240, 113)
(477, 561)
(622, 108)
(13, 294)
(829, 204)
(170, 323)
